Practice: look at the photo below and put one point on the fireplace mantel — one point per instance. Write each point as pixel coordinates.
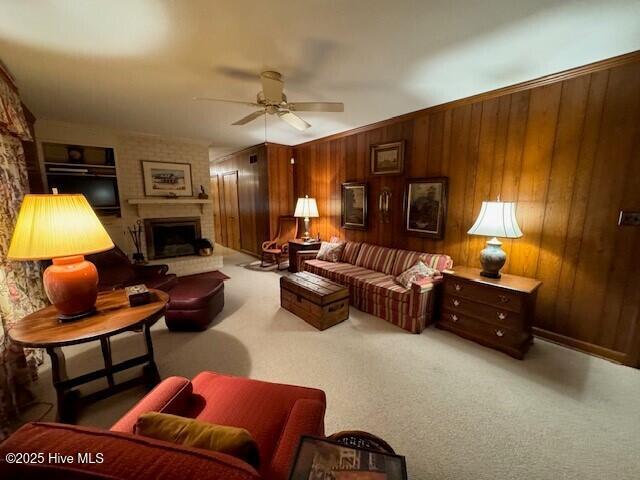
(169, 201)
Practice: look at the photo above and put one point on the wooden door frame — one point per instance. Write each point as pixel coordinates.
(215, 197)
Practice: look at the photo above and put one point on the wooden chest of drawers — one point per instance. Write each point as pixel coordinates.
(497, 313)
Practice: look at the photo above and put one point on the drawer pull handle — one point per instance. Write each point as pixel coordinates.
(503, 298)
(456, 303)
(454, 317)
(502, 316)
(500, 333)
(458, 287)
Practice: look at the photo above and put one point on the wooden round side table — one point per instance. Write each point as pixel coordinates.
(42, 329)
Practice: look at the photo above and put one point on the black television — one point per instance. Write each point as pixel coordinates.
(101, 191)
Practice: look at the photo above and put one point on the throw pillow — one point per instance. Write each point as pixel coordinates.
(330, 252)
(418, 272)
(233, 441)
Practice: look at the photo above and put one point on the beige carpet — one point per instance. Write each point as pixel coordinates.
(456, 410)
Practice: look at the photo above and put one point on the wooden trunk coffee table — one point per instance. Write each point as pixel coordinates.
(42, 329)
(318, 301)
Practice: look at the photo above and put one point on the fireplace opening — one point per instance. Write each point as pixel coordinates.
(171, 237)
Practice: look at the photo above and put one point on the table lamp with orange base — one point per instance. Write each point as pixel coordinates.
(63, 228)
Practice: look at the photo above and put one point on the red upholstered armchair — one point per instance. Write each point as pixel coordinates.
(278, 248)
(276, 416)
(116, 271)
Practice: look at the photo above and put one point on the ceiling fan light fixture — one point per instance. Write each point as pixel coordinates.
(272, 100)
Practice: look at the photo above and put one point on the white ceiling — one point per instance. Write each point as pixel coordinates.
(135, 64)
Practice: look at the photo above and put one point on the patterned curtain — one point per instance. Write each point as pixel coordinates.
(21, 289)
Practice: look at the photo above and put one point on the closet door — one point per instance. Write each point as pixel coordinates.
(230, 196)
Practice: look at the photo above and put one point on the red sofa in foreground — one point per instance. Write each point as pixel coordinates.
(276, 416)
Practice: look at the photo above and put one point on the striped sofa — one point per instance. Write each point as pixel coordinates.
(369, 272)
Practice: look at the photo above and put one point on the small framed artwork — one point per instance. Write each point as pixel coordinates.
(425, 202)
(167, 179)
(318, 458)
(354, 205)
(387, 158)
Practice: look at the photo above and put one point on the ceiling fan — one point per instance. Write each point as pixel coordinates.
(272, 100)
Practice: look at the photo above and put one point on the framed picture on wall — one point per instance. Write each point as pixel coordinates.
(354, 205)
(167, 179)
(425, 206)
(387, 158)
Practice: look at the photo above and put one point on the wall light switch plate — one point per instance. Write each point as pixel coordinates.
(629, 219)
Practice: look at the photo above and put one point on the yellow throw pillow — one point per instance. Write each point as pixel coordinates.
(234, 441)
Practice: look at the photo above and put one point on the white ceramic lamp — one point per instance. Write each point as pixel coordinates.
(306, 208)
(496, 219)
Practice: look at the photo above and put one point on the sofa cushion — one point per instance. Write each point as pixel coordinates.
(343, 273)
(376, 258)
(384, 286)
(372, 299)
(350, 252)
(262, 408)
(124, 456)
(360, 278)
(405, 259)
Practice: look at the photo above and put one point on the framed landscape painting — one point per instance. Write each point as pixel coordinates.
(387, 158)
(426, 207)
(354, 205)
(167, 179)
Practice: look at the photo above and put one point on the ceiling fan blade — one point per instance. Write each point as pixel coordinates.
(293, 120)
(208, 99)
(249, 118)
(237, 73)
(316, 106)
(272, 86)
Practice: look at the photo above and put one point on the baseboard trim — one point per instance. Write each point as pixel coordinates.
(582, 346)
(249, 252)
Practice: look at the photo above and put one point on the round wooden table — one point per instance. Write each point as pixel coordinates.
(42, 329)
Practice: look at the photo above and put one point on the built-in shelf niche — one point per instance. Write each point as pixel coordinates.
(86, 169)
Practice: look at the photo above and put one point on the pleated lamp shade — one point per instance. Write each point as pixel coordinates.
(497, 219)
(51, 226)
(306, 208)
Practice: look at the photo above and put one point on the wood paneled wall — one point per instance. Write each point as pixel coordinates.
(565, 148)
(281, 200)
(265, 191)
(252, 196)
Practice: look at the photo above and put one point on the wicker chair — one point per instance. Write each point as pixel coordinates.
(278, 249)
(360, 439)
